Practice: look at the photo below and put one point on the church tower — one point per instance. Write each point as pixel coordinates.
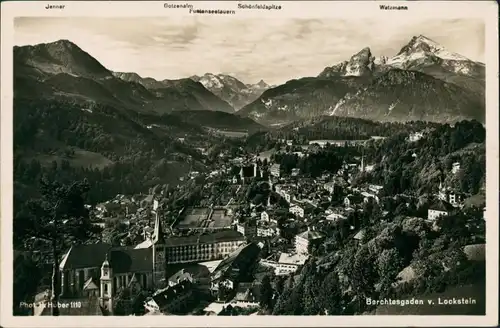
(159, 256)
(106, 292)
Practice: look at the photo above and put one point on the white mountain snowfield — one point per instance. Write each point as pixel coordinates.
(231, 89)
(211, 81)
(421, 48)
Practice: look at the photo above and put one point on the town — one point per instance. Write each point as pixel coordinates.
(249, 222)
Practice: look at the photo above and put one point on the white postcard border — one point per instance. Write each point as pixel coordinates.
(486, 10)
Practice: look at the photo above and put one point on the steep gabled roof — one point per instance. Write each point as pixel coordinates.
(310, 235)
(85, 256)
(125, 260)
(442, 206)
(90, 284)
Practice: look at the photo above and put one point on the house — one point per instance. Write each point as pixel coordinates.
(353, 200)
(358, 237)
(455, 168)
(376, 189)
(284, 192)
(330, 187)
(275, 170)
(171, 299)
(307, 239)
(297, 210)
(247, 293)
(335, 217)
(179, 277)
(264, 216)
(415, 136)
(438, 209)
(450, 196)
(266, 231)
(367, 196)
(289, 263)
(295, 171)
(247, 228)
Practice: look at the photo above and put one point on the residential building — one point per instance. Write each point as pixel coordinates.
(307, 239)
(265, 230)
(335, 217)
(359, 236)
(275, 170)
(353, 200)
(367, 196)
(450, 196)
(247, 228)
(301, 209)
(264, 216)
(438, 209)
(376, 189)
(297, 210)
(330, 187)
(416, 136)
(171, 299)
(289, 263)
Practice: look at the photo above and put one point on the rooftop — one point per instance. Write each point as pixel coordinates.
(208, 238)
(441, 205)
(287, 258)
(310, 235)
(85, 256)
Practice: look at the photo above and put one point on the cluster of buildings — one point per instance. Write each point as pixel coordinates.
(234, 241)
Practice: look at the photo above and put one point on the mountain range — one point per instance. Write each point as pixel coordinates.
(62, 70)
(66, 102)
(230, 89)
(423, 81)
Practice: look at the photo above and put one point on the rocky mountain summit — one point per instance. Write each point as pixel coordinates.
(443, 86)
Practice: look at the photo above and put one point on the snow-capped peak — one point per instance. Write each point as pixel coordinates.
(422, 47)
(210, 80)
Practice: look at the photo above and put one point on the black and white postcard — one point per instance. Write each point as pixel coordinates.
(245, 163)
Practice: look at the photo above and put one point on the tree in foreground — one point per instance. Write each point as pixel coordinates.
(59, 218)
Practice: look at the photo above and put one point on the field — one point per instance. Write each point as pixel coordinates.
(202, 218)
(193, 218)
(219, 219)
(232, 134)
(81, 158)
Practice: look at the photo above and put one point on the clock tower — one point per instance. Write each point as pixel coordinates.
(159, 254)
(106, 291)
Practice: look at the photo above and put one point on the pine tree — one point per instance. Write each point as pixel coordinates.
(59, 218)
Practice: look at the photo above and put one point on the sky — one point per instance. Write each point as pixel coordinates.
(274, 50)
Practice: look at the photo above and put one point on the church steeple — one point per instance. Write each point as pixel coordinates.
(158, 234)
(159, 255)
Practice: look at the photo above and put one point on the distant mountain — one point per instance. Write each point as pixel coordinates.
(300, 99)
(423, 81)
(62, 70)
(231, 89)
(74, 118)
(420, 54)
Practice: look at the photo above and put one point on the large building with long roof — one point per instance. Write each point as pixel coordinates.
(111, 268)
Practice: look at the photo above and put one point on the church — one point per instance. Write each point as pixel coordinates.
(102, 270)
